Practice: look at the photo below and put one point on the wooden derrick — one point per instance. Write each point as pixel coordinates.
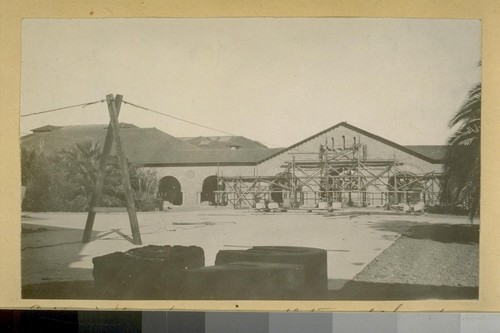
(113, 136)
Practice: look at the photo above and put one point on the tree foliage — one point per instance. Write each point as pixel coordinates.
(462, 163)
(65, 181)
(35, 175)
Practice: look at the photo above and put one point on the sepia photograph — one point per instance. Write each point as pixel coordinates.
(332, 159)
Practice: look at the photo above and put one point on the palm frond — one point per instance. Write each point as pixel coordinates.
(462, 162)
(471, 109)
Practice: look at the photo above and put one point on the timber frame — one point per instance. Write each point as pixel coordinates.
(113, 135)
(334, 174)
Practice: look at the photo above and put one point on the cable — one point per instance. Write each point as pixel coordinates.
(83, 105)
(173, 117)
(187, 121)
(63, 108)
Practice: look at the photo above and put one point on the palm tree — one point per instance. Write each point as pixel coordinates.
(462, 163)
(81, 163)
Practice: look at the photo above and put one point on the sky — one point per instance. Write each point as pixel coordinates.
(274, 80)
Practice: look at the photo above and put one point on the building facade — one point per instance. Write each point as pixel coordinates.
(342, 165)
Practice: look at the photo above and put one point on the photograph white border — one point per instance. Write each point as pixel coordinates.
(10, 35)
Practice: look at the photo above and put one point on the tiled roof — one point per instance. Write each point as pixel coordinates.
(46, 128)
(431, 151)
(140, 144)
(223, 142)
(205, 157)
(365, 133)
(144, 146)
(152, 147)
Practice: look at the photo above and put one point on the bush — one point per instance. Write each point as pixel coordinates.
(447, 209)
(38, 182)
(148, 203)
(78, 204)
(65, 181)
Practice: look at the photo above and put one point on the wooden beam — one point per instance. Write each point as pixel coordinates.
(122, 161)
(106, 150)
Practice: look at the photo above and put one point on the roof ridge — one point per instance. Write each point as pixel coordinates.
(390, 143)
(361, 131)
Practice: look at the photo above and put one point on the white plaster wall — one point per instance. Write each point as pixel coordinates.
(374, 150)
(191, 177)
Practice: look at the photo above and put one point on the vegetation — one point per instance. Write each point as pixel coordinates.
(462, 164)
(65, 181)
(36, 176)
(146, 184)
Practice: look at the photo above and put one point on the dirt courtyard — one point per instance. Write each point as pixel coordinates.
(52, 251)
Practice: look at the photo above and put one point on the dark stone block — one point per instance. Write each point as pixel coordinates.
(150, 272)
(244, 280)
(107, 266)
(314, 262)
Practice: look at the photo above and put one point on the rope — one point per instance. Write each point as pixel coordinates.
(180, 119)
(186, 121)
(83, 105)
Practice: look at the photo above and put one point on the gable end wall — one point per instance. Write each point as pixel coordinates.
(375, 149)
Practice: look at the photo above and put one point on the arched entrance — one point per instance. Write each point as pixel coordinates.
(208, 189)
(276, 193)
(208, 192)
(281, 186)
(170, 190)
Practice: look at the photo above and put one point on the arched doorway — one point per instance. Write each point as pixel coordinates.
(281, 186)
(276, 193)
(208, 189)
(170, 190)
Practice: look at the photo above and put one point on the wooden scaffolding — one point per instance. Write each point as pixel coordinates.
(337, 174)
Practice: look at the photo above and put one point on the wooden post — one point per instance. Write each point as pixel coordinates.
(395, 183)
(360, 199)
(113, 134)
(122, 161)
(108, 143)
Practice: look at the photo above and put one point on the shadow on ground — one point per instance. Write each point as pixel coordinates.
(372, 291)
(60, 290)
(49, 254)
(444, 233)
(352, 290)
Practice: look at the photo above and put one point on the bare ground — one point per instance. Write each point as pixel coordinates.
(438, 255)
(425, 262)
(428, 261)
(437, 261)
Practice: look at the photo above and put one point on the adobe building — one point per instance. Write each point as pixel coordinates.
(342, 165)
